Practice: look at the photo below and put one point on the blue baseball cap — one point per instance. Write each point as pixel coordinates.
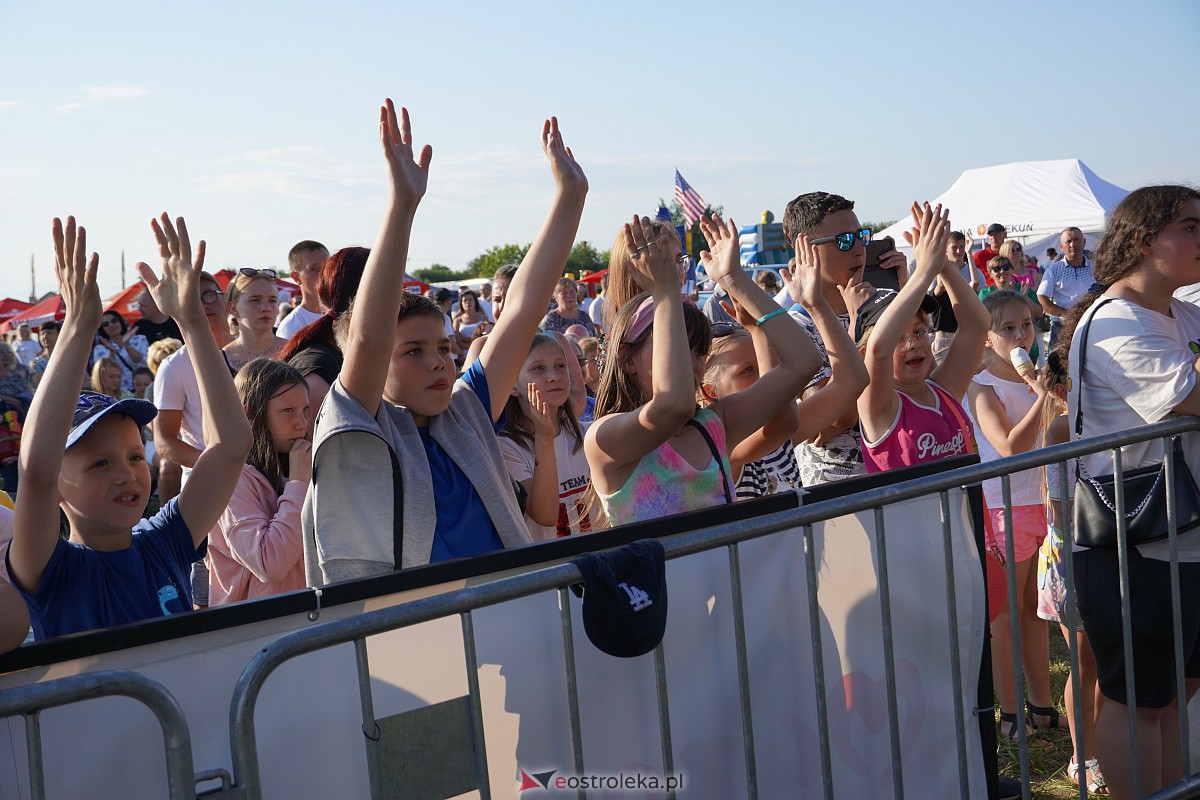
(93, 406)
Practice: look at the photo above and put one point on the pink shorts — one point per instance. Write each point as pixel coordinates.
(1029, 522)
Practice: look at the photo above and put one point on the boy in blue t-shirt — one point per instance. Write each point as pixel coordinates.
(396, 415)
(83, 453)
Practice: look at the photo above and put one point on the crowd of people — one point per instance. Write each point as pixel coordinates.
(455, 427)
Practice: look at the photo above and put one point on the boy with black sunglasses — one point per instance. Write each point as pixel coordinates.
(837, 241)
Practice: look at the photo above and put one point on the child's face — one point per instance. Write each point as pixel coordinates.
(1014, 329)
(421, 372)
(546, 368)
(912, 360)
(141, 382)
(737, 368)
(840, 268)
(287, 416)
(105, 480)
(956, 250)
(591, 369)
(111, 380)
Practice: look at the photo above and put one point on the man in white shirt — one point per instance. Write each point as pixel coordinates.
(306, 260)
(1065, 280)
(26, 347)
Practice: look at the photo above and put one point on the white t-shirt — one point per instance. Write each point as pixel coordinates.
(27, 350)
(1139, 367)
(176, 389)
(596, 312)
(574, 477)
(296, 321)
(1017, 398)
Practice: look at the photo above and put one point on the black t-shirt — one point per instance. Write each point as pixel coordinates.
(155, 331)
(323, 358)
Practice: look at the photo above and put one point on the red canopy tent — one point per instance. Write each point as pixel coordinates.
(51, 308)
(10, 307)
(125, 302)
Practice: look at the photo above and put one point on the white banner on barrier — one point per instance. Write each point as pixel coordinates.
(311, 730)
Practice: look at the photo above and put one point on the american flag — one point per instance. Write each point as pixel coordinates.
(685, 195)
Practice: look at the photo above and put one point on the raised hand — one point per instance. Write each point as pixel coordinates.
(723, 257)
(652, 256)
(804, 281)
(568, 175)
(409, 176)
(928, 238)
(177, 292)
(739, 313)
(76, 274)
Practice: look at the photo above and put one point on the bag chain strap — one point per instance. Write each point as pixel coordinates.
(1104, 498)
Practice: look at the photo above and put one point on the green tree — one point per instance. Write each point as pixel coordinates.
(876, 227)
(485, 266)
(585, 257)
(436, 273)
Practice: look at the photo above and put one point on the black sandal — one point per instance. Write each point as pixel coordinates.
(1010, 731)
(1044, 718)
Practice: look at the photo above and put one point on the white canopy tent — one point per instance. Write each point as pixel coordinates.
(1034, 200)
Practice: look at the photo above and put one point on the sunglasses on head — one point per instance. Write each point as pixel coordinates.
(720, 329)
(258, 273)
(845, 241)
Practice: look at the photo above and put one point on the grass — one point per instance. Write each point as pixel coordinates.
(1047, 766)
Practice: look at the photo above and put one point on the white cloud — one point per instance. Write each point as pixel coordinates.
(95, 95)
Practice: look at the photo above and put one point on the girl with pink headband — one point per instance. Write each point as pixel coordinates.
(651, 450)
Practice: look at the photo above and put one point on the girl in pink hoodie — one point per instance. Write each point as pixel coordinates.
(257, 548)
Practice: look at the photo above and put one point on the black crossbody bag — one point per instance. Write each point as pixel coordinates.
(1094, 515)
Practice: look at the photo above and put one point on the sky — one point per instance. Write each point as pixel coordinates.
(258, 121)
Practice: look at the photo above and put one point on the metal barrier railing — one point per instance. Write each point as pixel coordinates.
(31, 700)
(243, 742)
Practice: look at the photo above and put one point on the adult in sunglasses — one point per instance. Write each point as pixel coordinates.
(1003, 275)
(838, 243)
(117, 340)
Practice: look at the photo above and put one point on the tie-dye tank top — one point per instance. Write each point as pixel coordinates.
(665, 483)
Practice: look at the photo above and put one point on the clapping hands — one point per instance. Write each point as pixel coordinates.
(723, 257)
(928, 239)
(652, 256)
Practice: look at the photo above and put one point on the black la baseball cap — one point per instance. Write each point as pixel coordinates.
(625, 598)
(870, 311)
